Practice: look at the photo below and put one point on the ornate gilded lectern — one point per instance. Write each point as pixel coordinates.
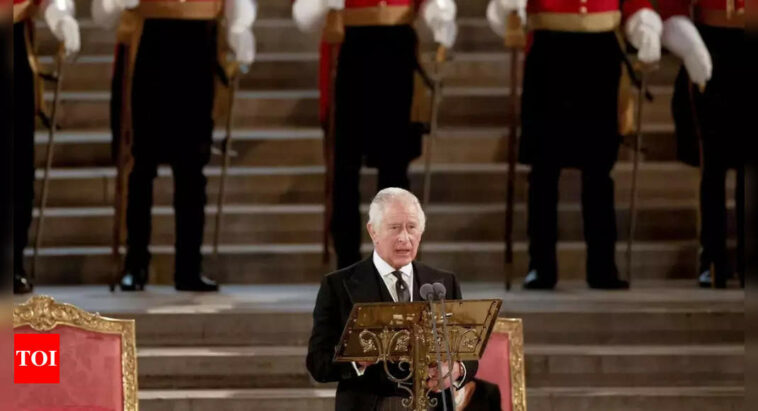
(403, 333)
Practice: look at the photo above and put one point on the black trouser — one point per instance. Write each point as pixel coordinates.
(172, 101)
(598, 214)
(713, 224)
(23, 146)
(374, 89)
(346, 221)
(189, 215)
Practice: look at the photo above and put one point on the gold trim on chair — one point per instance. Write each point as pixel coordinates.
(513, 327)
(42, 313)
(587, 23)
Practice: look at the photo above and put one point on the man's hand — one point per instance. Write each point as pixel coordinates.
(106, 13)
(242, 44)
(335, 4)
(439, 16)
(434, 371)
(682, 38)
(498, 11)
(644, 31)
(128, 4)
(67, 31)
(59, 17)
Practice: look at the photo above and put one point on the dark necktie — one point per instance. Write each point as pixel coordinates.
(401, 288)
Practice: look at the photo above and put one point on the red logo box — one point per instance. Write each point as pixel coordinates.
(36, 359)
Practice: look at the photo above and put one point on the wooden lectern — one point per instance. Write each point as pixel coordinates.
(403, 333)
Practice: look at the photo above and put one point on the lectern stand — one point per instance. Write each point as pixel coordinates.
(402, 333)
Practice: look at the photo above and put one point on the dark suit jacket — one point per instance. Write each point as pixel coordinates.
(360, 283)
(486, 397)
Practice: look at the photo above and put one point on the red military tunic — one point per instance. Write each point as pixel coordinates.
(580, 15)
(715, 13)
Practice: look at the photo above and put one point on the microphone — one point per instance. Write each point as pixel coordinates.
(427, 292)
(440, 292)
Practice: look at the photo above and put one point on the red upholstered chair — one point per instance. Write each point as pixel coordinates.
(98, 359)
(503, 363)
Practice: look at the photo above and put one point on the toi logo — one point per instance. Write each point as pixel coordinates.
(36, 359)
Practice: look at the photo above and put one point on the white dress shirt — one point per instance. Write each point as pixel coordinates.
(385, 272)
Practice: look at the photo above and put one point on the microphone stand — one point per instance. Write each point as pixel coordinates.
(440, 291)
(429, 296)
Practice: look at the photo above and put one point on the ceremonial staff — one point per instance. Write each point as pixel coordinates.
(124, 160)
(439, 62)
(514, 41)
(334, 35)
(643, 70)
(226, 152)
(57, 77)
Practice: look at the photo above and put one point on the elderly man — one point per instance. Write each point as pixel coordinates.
(396, 223)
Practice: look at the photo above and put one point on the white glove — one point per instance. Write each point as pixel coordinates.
(243, 45)
(439, 16)
(682, 38)
(59, 17)
(309, 15)
(644, 30)
(335, 4)
(106, 13)
(240, 15)
(498, 11)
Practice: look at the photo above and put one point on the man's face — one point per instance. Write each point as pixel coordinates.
(398, 235)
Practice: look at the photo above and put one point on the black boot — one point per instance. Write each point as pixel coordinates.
(197, 282)
(609, 284)
(539, 281)
(706, 279)
(133, 280)
(606, 279)
(22, 284)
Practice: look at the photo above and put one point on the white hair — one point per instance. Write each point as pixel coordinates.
(390, 195)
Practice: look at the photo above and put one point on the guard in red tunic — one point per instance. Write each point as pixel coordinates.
(58, 15)
(709, 120)
(570, 118)
(172, 52)
(373, 96)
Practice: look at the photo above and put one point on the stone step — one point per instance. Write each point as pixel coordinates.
(251, 224)
(700, 398)
(546, 366)
(460, 106)
(278, 70)
(651, 313)
(264, 147)
(451, 183)
(297, 262)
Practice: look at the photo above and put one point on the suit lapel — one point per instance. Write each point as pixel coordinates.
(421, 275)
(364, 284)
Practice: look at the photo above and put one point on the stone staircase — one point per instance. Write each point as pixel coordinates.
(663, 345)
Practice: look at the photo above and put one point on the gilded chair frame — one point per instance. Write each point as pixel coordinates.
(513, 327)
(43, 313)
